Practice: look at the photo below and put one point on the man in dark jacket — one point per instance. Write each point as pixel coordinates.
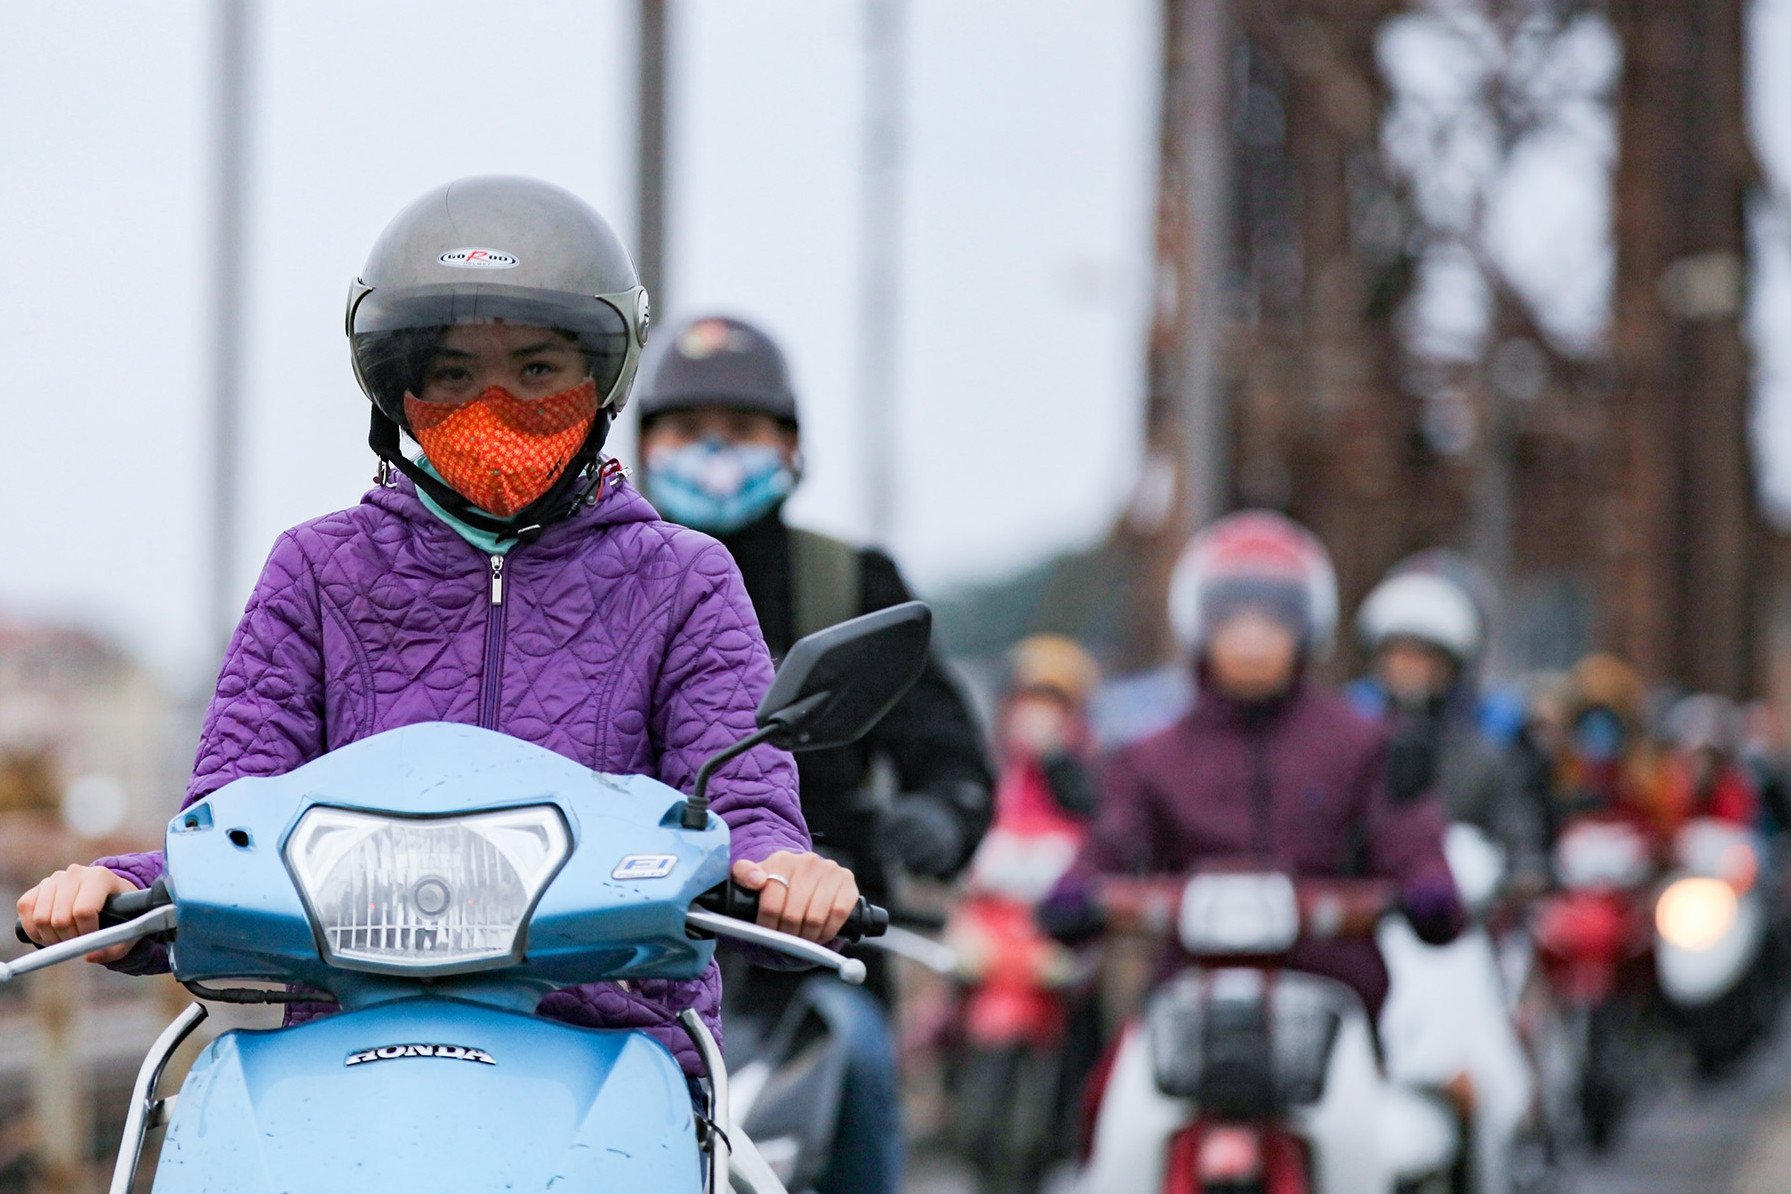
(720, 444)
(1424, 634)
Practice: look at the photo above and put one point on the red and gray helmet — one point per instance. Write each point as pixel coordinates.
(1255, 558)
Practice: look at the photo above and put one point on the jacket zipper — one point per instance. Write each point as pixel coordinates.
(494, 647)
(1262, 794)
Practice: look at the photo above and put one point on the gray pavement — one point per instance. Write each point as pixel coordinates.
(1732, 1135)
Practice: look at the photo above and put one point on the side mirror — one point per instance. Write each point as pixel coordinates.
(837, 683)
(833, 687)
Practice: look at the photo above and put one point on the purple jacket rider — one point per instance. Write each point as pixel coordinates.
(1302, 783)
(614, 638)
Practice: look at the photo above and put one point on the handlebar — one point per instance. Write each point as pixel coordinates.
(121, 908)
(1329, 909)
(726, 911)
(732, 900)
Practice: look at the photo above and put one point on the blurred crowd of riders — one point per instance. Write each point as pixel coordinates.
(1269, 761)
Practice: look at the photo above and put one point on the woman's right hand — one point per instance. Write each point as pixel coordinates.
(67, 905)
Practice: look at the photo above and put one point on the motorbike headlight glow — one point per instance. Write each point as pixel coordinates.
(1694, 913)
(424, 895)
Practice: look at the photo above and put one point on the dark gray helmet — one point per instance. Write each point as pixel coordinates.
(718, 361)
(494, 248)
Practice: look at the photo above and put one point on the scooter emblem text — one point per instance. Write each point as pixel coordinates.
(394, 1052)
(645, 866)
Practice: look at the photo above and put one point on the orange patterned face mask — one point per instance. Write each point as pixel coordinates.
(499, 451)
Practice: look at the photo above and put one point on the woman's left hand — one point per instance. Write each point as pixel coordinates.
(802, 894)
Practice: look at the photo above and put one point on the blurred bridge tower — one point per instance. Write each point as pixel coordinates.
(1685, 564)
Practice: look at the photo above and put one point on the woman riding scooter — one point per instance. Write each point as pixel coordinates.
(1272, 767)
(508, 576)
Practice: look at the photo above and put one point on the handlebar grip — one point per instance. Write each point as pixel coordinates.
(129, 905)
(119, 908)
(867, 920)
(730, 899)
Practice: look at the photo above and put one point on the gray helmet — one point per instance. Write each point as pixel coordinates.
(483, 250)
(494, 248)
(718, 361)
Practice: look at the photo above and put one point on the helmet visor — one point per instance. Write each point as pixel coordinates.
(398, 337)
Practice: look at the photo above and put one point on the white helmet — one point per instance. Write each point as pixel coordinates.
(1423, 606)
(1251, 549)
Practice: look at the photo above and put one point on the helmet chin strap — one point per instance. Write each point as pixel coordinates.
(574, 485)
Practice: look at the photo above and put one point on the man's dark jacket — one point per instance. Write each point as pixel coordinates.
(930, 740)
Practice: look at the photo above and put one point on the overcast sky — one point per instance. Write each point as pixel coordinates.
(1024, 287)
(1023, 296)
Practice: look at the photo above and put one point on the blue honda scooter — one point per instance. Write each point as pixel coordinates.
(436, 881)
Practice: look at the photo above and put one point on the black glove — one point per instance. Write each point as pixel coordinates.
(924, 834)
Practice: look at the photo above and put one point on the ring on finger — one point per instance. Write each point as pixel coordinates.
(778, 879)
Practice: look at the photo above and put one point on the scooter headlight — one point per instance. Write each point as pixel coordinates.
(1694, 913)
(424, 895)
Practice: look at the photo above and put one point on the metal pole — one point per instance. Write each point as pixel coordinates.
(880, 294)
(229, 203)
(650, 118)
(1198, 59)
(61, 1095)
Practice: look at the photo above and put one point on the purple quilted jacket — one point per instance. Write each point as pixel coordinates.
(616, 639)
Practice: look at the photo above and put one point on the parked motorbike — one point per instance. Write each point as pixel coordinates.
(1243, 1076)
(1711, 937)
(1595, 942)
(1008, 1072)
(435, 882)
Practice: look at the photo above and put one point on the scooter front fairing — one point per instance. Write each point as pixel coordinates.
(432, 1094)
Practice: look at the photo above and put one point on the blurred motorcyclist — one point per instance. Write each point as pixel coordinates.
(1763, 753)
(1610, 764)
(1269, 763)
(721, 450)
(1027, 1024)
(1540, 745)
(1705, 776)
(1043, 736)
(1424, 635)
(1272, 767)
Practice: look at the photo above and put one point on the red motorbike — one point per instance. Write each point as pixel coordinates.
(1013, 1013)
(1594, 943)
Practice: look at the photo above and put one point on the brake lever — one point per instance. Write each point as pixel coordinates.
(161, 920)
(849, 969)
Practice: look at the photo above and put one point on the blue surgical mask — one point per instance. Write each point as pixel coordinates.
(716, 486)
(1599, 736)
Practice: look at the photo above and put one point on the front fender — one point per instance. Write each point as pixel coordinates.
(514, 1102)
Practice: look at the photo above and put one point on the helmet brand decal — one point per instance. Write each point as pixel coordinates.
(477, 259)
(705, 338)
(645, 866)
(394, 1052)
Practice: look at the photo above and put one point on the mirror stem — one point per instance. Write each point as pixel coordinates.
(696, 805)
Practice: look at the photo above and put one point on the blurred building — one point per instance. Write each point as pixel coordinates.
(86, 733)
